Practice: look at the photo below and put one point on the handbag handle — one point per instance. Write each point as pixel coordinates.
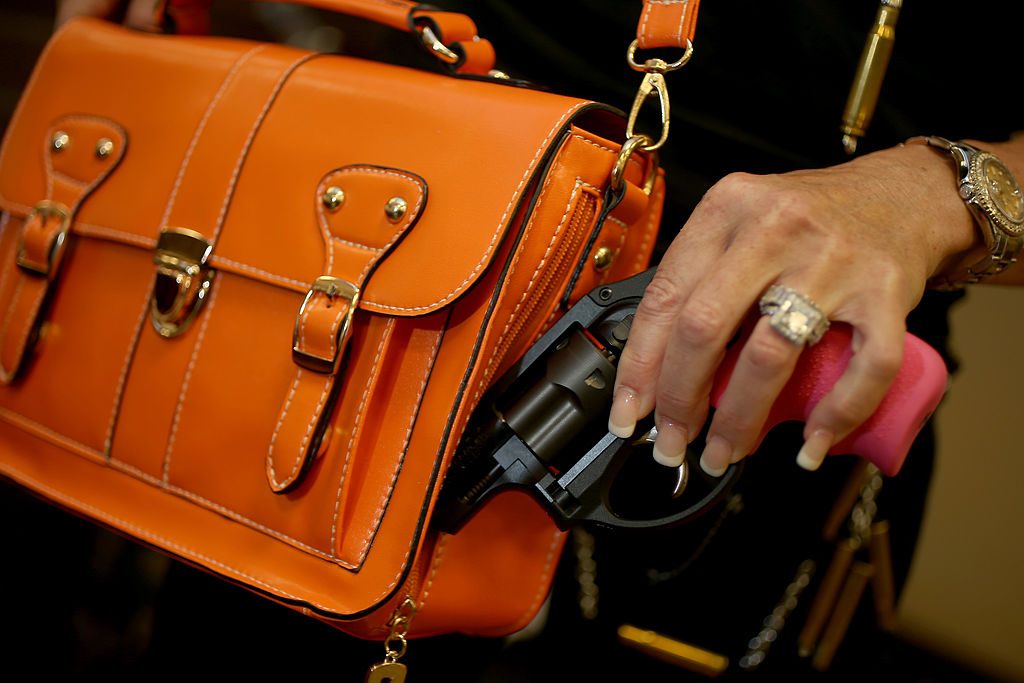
(449, 36)
(452, 36)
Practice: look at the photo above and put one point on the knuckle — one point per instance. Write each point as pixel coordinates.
(848, 412)
(661, 298)
(768, 353)
(884, 363)
(700, 324)
(678, 405)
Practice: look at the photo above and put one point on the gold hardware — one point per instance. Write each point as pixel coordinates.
(333, 197)
(619, 169)
(603, 258)
(653, 85)
(104, 147)
(395, 208)
(673, 651)
(59, 141)
(46, 210)
(395, 646)
(657, 64)
(333, 288)
(436, 47)
(867, 80)
(498, 75)
(183, 280)
(846, 606)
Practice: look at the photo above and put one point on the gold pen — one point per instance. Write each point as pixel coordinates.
(867, 82)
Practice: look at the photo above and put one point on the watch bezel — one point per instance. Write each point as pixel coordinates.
(979, 193)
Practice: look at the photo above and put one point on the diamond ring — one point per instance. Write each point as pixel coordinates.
(793, 315)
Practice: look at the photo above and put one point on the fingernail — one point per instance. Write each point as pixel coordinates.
(670, 446)
(813, 452)
(716, 457)
(622, 419)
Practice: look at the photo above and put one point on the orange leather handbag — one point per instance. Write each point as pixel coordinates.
(250, 294)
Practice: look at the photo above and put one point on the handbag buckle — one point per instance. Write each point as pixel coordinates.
(183, 280)
(46, 210)
(334, 288)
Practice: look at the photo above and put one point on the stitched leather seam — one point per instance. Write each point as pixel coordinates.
(214, 101)
(501, 223)
(631, 161)
(382, 505)
(648, 4)
(108, 443)
(438, 556)
(217, 260)
(618, 249)
(247, 145)
(356, 426)
(540, 266)
(186, 381)
(542, 584)
(100, 232)
(277, 429)
(67, 442)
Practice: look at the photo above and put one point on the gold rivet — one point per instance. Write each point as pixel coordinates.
(603, 258)
(333, 197)
(59, 140)
(396, 208)
(104, 147)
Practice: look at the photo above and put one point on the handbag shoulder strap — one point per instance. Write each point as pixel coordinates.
(667, 23)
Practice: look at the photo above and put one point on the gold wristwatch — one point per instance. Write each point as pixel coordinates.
(994, 198)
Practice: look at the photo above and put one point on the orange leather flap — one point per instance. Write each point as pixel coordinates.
(228, 124)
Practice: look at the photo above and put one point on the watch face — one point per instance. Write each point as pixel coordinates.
(1004, 193)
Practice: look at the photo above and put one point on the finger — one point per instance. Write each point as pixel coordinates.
(878, 353)
(143, 15)
(765, 364)
(681, 269)
(700, 332)
(69, 9)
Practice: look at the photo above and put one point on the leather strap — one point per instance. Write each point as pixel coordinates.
(667, 23)
(455, 30)
(358, 235)
(80, 152)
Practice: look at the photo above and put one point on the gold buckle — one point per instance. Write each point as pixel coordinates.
(47, 209)
(182, 280)
(629, 147)
(333, 287)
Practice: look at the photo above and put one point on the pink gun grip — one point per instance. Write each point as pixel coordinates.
(886, 437)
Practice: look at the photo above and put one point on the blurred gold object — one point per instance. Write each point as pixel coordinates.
(883, 586)
(853, 590)
(821, 607)
(867, 82)
(673, 651)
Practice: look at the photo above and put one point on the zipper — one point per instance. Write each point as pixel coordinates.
(551, 279)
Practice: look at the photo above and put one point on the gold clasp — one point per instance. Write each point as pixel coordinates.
(183, 280)
(46, 210)
(332, 287)
(629, 147)
(436, 47)
(653, 85)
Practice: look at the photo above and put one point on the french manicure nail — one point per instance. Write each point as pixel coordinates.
(716, 456)
(670, 446)
(622, 418)
(813, 452)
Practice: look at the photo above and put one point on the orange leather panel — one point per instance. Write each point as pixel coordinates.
(667, 23)
(172, 440)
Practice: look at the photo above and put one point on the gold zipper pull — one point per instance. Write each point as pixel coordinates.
(395, 646)
(867, 83)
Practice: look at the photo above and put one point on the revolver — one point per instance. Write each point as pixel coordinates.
(542, 427)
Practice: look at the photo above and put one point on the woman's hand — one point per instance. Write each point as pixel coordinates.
(859, 239)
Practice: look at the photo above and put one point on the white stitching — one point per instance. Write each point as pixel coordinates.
(100, 232)
(682, 16)
(435, 563)
(554, 237)
(631, 160)
(217, 261)
(247, 145)
(356, 425)
(543, 585)
(273, 438)
(201, 127)
(185, 382)
(382, 505)
(108, 443)
(497, 230)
